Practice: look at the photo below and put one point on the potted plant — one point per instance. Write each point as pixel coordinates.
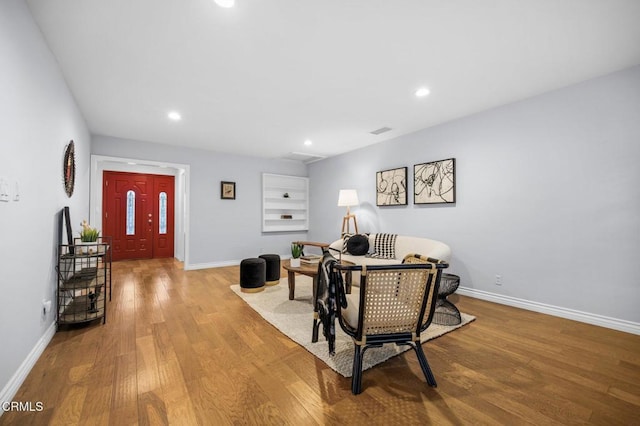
(88, 236)
(296, 252)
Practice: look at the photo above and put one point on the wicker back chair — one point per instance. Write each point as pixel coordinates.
(394, 305)
(413, 259)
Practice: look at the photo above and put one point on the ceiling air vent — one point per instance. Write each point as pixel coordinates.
(380, 130)
(304, 157)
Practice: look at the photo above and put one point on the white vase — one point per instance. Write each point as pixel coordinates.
(88, 247)
(295, 263)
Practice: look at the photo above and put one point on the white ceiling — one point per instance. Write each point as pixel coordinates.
(264, 76)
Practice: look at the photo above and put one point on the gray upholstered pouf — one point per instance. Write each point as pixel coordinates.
(252, 275)
(273, 268)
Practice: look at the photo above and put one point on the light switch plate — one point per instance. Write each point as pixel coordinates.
(4, 189)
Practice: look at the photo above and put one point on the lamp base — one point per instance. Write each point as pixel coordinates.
(345, 224)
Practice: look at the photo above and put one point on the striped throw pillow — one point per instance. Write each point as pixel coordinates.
(384, 246)
(345, 240)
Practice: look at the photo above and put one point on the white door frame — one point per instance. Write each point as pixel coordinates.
(100, 163)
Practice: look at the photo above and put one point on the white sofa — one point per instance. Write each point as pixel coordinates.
(404, 245)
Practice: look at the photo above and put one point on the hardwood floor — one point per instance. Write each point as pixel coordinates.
(179, 348)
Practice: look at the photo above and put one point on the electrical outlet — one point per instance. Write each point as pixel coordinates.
(498, 279)
(46, 306)
(16, 191)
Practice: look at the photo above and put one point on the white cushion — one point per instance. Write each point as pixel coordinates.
(350, 313)
(335, 248)
(363, 260)
(424, 246)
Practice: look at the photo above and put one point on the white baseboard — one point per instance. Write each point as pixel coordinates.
(18, 378)
(586, 317)
(194, 266)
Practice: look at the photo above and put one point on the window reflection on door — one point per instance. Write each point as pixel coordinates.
(162, 213)
(131, 213)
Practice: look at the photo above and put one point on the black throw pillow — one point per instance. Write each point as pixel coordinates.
(358, 245)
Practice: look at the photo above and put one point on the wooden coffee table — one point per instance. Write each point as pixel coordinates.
(310, 271)
(303, 269)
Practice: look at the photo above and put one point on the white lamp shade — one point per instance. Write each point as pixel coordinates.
(348, 197)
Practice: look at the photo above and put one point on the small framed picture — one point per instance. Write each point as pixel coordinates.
(228, 190)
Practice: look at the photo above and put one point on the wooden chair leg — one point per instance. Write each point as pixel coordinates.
(424, 364)
(356, 374)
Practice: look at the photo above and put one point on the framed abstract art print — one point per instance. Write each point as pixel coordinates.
(435, 182)
(391, 187)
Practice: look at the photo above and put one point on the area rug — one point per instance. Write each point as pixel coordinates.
(294, 318)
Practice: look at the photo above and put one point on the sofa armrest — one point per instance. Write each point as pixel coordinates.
(312, 244)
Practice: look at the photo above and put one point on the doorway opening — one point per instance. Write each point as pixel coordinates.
(180, 172)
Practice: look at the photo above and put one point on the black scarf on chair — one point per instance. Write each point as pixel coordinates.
(329, 281)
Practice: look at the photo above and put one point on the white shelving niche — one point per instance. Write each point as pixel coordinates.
(285, 203)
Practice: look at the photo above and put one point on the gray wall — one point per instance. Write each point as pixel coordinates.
(38, 117)
(548, 196)
(221, 231)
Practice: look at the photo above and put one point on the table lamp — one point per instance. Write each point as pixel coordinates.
(348, 198)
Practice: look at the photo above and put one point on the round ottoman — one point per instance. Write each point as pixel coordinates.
(273, 268)
(252, 275)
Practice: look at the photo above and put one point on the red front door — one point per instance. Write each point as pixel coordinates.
(163, 208)
(138, 214)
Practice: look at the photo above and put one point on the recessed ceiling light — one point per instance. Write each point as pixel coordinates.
(174, 115)
(225, 3)
(308, 142)
(422, 92)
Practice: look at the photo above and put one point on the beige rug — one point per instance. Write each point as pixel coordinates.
(294, 318)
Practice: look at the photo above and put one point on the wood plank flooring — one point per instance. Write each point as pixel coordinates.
(180, 348)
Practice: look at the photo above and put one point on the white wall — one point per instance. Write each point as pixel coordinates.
(221, 232)
(548, 196)
(38, 117)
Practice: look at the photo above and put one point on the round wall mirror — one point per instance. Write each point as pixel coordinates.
(69, 169)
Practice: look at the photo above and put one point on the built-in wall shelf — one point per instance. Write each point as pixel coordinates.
(285, 203)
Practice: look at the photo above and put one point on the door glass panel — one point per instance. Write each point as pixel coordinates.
(131, 212)
(162, 214)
